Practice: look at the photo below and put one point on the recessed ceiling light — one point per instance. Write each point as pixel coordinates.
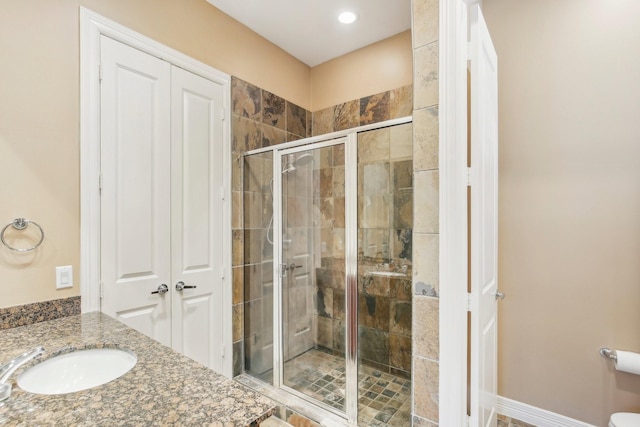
(348, 17)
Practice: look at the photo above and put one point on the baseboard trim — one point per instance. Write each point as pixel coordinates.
(536, 416)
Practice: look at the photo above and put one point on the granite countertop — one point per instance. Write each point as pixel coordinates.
(163, 388)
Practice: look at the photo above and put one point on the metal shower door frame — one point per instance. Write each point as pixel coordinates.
(351, 270)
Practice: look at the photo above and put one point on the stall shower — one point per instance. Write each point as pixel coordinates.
(328, 262)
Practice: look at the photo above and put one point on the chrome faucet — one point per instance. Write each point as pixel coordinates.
(10, 367)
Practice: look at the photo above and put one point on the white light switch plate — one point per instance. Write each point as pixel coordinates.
(64, 277)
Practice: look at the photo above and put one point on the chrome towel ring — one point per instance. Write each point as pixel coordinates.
(21, 224)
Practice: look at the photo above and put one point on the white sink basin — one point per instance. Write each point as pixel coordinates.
(78, 370)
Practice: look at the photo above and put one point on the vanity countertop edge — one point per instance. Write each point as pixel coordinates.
(163, 388)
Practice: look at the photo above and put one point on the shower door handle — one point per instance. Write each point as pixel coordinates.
(293, 266)
(283, 270)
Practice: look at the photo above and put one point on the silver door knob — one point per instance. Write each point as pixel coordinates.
(500, 295)
(162, 289)
(180, 286)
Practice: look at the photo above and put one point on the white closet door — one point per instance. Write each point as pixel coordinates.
(135, 203)
(484, 222)
(196, 193)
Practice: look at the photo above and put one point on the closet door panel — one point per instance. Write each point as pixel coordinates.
(197, 171)
(135, 202)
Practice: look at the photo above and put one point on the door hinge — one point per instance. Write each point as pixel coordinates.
(223, 114)
(100, 72)
(469, 52)
(222, 351)
(222, 193)
(468, 301)
(468, 177)
(100, 182)
(101, 290)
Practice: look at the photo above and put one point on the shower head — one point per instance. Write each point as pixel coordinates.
(294, 162)
(304, 159)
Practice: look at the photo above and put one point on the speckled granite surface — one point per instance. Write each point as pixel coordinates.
(163, 389)
(29, 314)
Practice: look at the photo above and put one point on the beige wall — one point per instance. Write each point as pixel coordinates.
(384, 65)
(39, 112)
(569, 201)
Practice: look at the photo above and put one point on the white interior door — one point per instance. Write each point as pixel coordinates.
(484, 225)
(135, 203)
(197, 178)
(161, 201)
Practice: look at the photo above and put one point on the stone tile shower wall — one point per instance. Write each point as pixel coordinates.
(426, 289)
(330, 273)
(385, 223)
(376, 108)
(259, 119)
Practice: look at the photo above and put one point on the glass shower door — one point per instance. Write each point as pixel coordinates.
(312, 273)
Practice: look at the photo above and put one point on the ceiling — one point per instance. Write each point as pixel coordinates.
(309, 29)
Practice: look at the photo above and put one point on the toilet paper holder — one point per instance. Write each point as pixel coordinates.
(608, 354)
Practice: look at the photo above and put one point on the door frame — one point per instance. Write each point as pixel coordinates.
(454, 298)
(92, 26)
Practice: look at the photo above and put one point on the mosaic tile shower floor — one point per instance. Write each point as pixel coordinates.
(384, 398)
